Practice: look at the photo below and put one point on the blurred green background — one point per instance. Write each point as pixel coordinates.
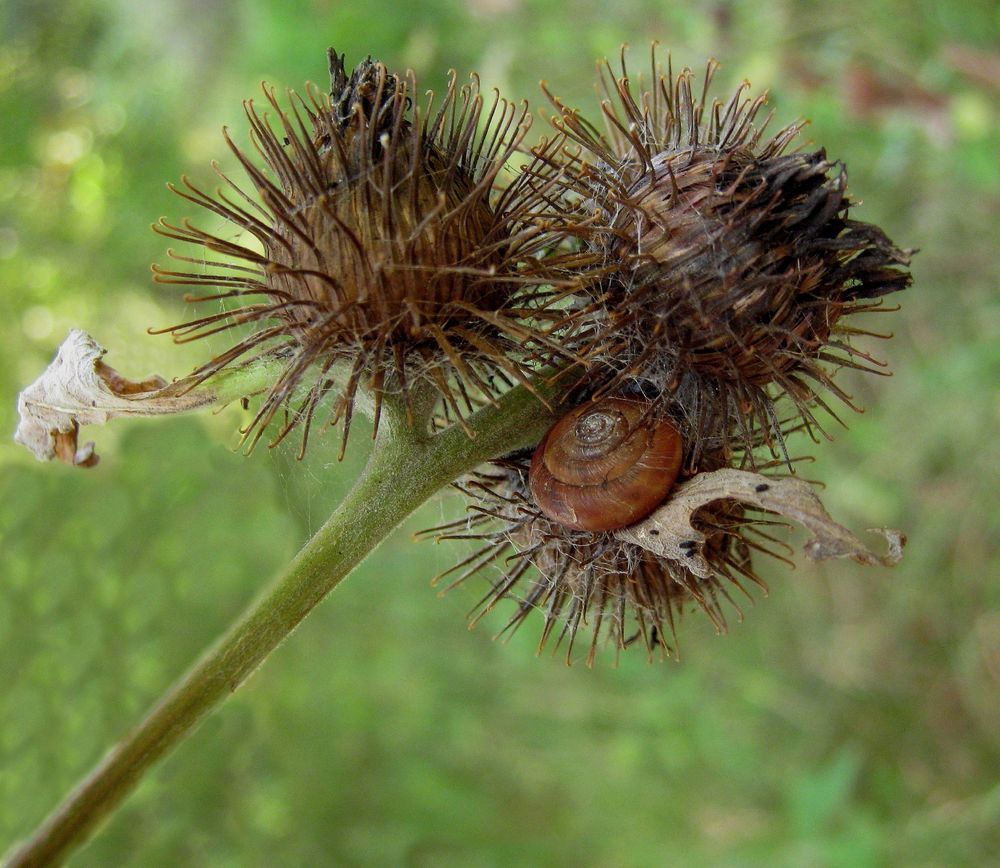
(852, 719)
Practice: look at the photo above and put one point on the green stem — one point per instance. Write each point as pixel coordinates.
(404, 470)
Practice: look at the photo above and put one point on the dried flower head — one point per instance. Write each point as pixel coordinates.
(719, 264)
(631, 584)
(624, 593)
(382, 245)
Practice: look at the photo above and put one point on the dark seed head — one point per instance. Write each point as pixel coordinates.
(719, 267)
(587, 581)
(379, 242)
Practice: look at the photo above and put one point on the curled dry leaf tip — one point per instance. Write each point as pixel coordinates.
(78, 389)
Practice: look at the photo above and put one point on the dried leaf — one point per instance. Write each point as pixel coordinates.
(668, 532)
(77, 389)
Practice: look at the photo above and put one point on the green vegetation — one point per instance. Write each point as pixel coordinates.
(852, 719)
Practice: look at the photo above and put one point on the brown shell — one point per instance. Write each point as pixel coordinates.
(604, 466)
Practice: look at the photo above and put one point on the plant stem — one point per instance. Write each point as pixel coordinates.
(403, 471)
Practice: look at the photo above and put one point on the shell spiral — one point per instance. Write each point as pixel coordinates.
(605, 465)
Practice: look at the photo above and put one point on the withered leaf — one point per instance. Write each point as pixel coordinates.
(669, 533)
(78, 389)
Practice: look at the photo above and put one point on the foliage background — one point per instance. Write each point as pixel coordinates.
(853, 719)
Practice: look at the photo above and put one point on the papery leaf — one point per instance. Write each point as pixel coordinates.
(669, 533)
(77, 389)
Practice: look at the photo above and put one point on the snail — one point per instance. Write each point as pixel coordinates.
(605, 465)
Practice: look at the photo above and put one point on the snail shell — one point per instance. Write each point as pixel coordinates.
(604, 465)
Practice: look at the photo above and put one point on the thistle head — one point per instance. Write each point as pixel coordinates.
(378, 243)
(618, 592)
(720, 263)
